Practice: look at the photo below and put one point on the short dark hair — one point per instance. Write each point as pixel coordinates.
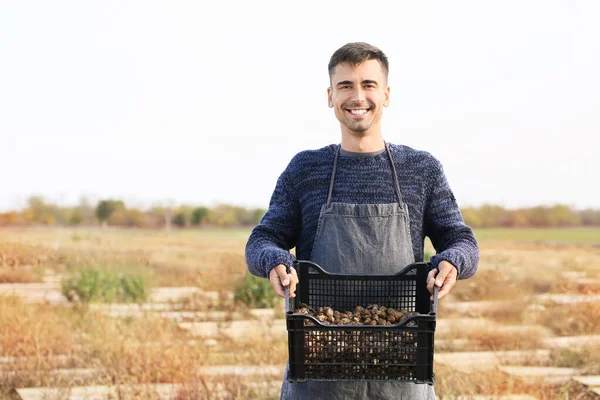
(356, 53)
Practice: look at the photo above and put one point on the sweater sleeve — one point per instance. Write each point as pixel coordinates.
(271, 240)
(452, 239)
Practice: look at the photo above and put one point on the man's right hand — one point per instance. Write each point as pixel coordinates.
(279, 279)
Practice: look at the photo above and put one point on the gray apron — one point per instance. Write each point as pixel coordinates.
(372, 239)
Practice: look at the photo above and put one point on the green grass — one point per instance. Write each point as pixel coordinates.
(106, 284)
(557, 235)
(255, 292)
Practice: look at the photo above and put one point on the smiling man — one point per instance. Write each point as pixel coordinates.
(358, 94)
(323, 196)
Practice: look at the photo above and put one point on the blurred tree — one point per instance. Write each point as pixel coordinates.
(563, 216)
(106, 208)
(118, 217)
(46, 213)
(27, 216)
(228, 215)
(38, 207)
(9, 218)
(517, 218)
(471, 217)
(179, 219)
(136, 218)
(75, 218)
(163, 214)
(183, 216)
(156, 216)
(199, 215)
(156, 211)
(538, 216)
(86, 211)
(227, 219)
(115, 212)
(222, 215)
(590, 217)
(492, 215)
(60, 215)
(257, 215)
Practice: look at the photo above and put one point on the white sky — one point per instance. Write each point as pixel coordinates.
(204, 102)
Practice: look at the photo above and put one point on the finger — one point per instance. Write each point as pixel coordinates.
(294, 274)
(275, 282)
(445, 289)
(431, 279)
(448, 283)
(283, 275)
(441, 277)
(293, 282)
(431, 275)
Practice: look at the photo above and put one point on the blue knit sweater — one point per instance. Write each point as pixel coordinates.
(301, 190)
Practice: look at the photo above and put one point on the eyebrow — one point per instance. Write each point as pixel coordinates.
(371, 81)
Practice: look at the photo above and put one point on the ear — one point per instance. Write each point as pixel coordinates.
(330, 97)
(387, 97)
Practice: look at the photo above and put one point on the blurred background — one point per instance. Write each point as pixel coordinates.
(142, 140)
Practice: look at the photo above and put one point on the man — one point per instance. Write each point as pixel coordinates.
(364, 206)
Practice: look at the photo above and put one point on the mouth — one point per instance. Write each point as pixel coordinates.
(358, 112)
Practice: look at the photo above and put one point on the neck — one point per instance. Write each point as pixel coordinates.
(362, 144)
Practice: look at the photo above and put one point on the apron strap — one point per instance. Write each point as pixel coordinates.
(337, 152)
(396, 184)
(394, 174)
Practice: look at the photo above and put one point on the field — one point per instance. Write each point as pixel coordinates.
(532, 313)
(548, 236)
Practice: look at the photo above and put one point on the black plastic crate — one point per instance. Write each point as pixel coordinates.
(325, 352)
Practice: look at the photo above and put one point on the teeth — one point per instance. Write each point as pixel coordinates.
(358, 112)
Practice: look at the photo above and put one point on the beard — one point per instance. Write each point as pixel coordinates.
(358, 126)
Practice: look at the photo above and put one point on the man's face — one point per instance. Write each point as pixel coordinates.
(358, 94)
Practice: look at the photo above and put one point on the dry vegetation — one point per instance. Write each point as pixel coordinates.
(129, 351)
(210, 260)
(571, 319)
(451, 382)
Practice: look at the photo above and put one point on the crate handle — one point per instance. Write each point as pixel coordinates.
(289, 308)
(434, 303)
(309, 264)
(434, 306)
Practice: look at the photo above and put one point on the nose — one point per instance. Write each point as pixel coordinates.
(359, 95)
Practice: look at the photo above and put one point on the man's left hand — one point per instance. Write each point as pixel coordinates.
(444, 280)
